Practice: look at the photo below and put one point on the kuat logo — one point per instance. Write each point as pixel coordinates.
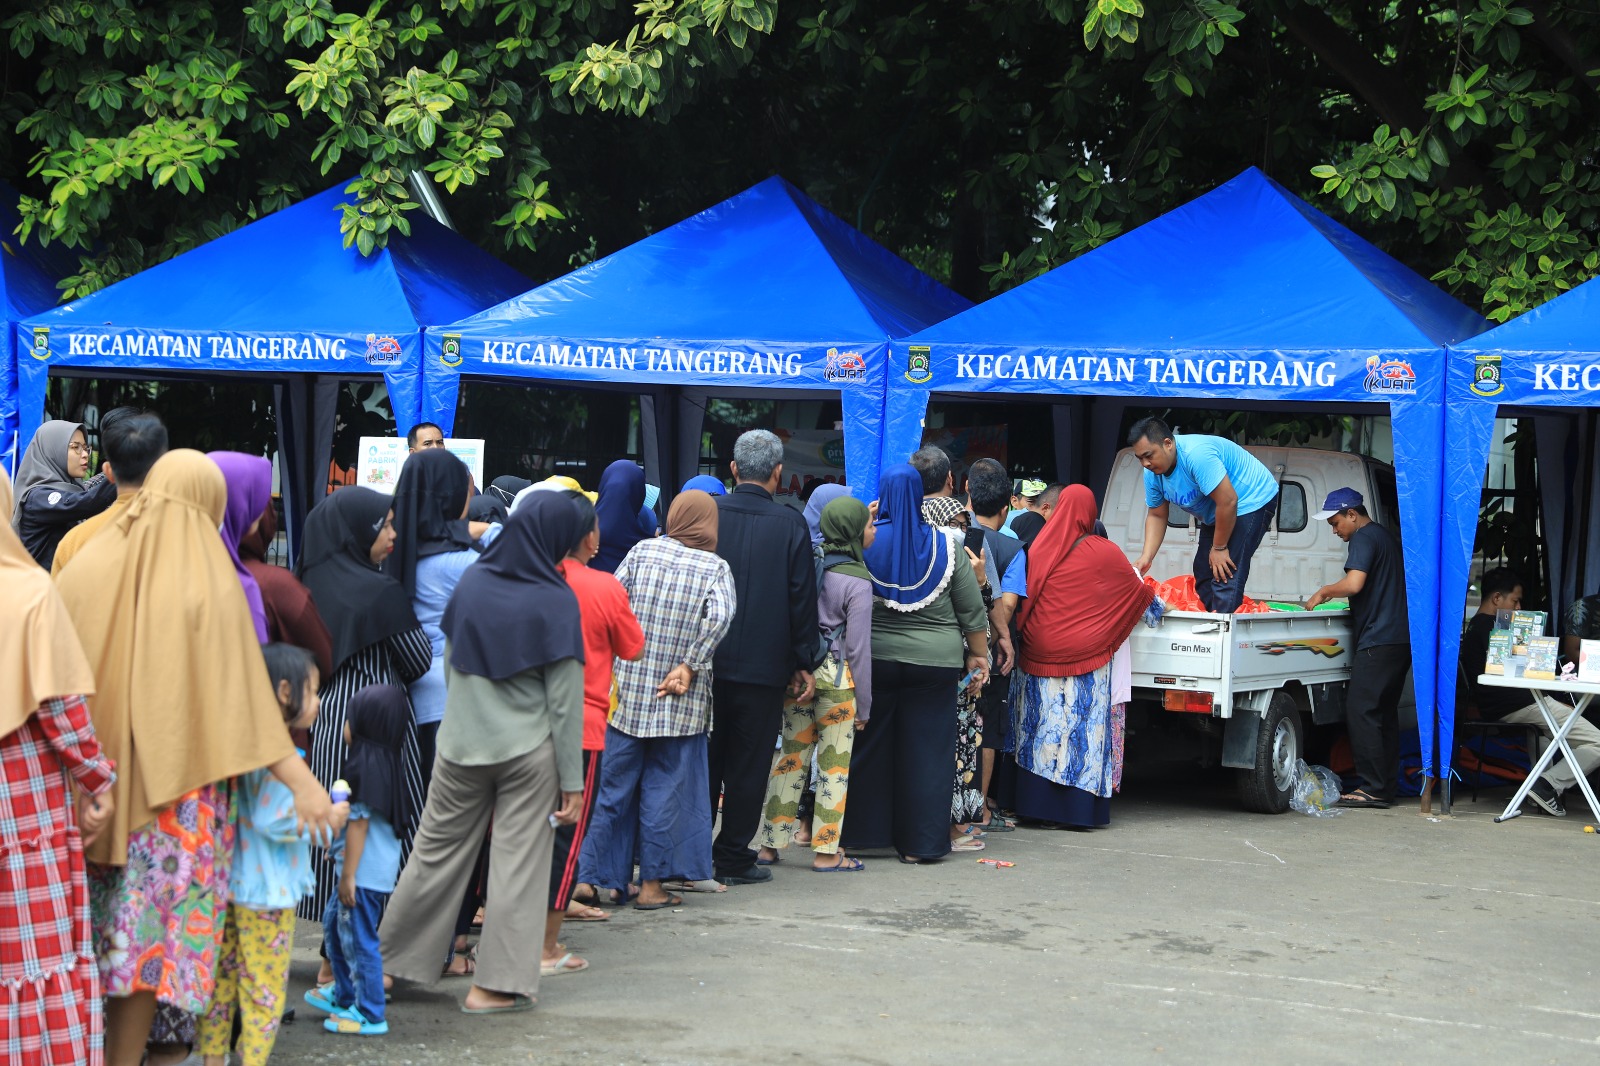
(1486, 375)
(1389, 375)
(450, 350)
(844, 366)
(382, 351)
(41, 344)
(919, 364)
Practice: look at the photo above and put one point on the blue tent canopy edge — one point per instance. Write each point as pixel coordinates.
(1548, 357)
(766, 290)
(28, 276)
(1246, 292)
(281, 295)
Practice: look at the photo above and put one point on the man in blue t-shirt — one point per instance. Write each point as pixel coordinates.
(1232, 494)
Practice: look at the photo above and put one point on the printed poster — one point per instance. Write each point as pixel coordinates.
(380, 460)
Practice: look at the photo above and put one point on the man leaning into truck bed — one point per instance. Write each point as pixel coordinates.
(1229, 490)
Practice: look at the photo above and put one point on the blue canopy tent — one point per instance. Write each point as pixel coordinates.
(1545, 362)
(765, 291)
(1245, 295)
(283, 297)
(28, 276)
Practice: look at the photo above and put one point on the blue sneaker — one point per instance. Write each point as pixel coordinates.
(321, 997)
(349, 1020)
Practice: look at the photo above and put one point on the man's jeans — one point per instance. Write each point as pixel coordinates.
(1224, 597)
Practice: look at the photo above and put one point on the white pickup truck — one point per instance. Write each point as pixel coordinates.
(1238, 689)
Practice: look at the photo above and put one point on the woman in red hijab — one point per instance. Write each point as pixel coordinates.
(1084, 598)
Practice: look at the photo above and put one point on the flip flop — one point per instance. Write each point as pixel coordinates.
(775, 860)
(967, 844)
(471, 959)
(1362, 798)
(669, 902)
(597, 914)
(517, 1005)
(711, 886)
(846, 865)
(559, 967)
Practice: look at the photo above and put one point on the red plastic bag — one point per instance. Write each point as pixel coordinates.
(1179, 595)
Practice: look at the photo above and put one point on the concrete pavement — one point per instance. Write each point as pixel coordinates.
(1188, 931)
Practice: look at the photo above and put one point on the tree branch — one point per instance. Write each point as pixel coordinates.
(1380, 86)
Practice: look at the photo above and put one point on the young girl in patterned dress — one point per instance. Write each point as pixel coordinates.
(271, 870)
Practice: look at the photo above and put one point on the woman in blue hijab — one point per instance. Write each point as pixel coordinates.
(621, 498)
(825, 494)
(930, 633)
(707, 484)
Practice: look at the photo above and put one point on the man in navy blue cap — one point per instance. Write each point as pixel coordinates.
(1375, 583)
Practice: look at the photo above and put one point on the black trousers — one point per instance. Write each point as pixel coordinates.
(1372, 715)
(904, 762)
(745, 723)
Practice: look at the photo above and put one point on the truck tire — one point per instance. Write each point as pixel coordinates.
(1267, 787)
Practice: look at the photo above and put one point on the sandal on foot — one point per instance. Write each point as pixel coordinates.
(561, 966)
(669, 902)
(845, 865)
(586, 913)
(1362, 798)
(321, 997)
(967, 844)
(469, 959)
(518, 1003)
(711, 885)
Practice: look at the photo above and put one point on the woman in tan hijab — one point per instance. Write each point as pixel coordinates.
(183, 705)
(49, 990)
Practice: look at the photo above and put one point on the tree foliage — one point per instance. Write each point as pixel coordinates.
(986, 140)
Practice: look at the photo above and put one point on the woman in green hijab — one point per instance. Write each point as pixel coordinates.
(843, 703)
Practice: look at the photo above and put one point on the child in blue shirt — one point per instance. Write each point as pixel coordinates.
(366, 861)
(271, 871)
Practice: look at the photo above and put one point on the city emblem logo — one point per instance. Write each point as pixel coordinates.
(450, 350)
(919, 364)
(1486, 375)
(1389, 375)
(41, 344)
(382, 351)
(844, 366)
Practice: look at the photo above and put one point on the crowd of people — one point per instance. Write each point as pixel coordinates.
(507, 710)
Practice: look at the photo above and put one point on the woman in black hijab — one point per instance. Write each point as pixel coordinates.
(430, 502)
(621, 498)
(377, 640)
(510, 749)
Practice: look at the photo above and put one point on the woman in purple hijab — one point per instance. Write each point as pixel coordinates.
(249, 479)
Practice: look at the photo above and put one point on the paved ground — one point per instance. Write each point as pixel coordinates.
(1188, 931)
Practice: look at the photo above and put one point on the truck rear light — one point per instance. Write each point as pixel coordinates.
(1187, 701)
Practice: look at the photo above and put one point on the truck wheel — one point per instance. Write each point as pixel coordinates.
(1267, 788)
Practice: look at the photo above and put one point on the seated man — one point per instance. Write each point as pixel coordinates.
(1501, 590)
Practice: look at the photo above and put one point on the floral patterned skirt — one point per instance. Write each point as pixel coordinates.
(159, 920)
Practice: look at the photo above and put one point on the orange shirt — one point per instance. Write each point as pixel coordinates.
(609, 631)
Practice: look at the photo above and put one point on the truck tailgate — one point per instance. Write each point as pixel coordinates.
(1230, 655)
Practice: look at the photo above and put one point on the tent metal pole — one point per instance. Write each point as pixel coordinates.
(424, 191)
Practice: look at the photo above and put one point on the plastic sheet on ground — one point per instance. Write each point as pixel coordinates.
(1316, 791)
